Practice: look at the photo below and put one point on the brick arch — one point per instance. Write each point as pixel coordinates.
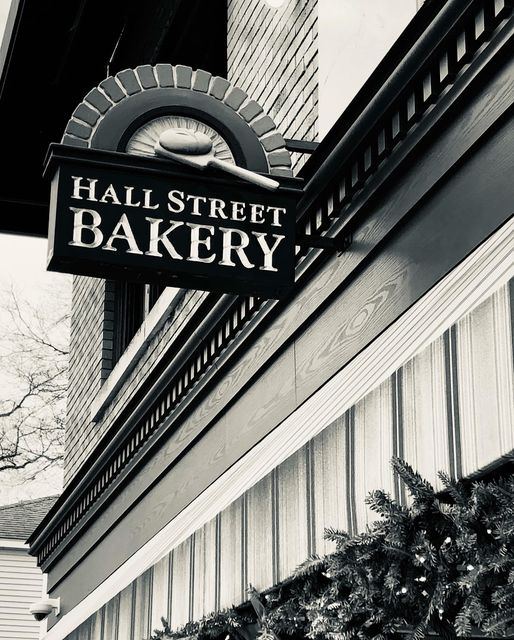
(110, 109)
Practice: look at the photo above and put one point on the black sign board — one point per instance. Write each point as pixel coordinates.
(118, 216)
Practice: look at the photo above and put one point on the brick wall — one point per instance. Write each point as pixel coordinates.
(272, 55)
(89, 364)
(91, 344)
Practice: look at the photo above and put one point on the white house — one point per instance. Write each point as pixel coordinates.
(21, 581)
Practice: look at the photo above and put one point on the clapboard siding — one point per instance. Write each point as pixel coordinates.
(21, 584)
(449, 406)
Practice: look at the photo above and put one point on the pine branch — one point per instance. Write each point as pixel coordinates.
(421, 490)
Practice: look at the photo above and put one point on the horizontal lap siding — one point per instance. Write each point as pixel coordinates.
(21, 584)
(448, 408)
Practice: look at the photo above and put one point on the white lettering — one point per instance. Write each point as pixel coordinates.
(128, 198)
(267, 250)
(77, 187)
(229, 247)
(177, 198)
(79, 226)
(276, 211)
(217, 208)
(196, 241)
(123, 225)
(196, 204)
(147, 198)
(257, 213)
(156, 237)
(238, 209)
(110, 193)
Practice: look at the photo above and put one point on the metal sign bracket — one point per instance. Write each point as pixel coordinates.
(323, 242)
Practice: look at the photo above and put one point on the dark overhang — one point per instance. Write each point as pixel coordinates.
(57, 52)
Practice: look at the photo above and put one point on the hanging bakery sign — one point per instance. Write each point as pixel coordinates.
(172, 176)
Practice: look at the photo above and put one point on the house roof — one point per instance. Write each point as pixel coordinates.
(18, 521)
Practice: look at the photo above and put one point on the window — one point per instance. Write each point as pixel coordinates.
(131, 303)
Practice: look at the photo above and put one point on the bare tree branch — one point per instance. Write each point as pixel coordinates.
(33, 373)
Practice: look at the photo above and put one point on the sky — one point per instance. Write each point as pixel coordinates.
(23, 267)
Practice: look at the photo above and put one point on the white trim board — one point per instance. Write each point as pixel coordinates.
(130, 357)
(9, 543)
(486, 269)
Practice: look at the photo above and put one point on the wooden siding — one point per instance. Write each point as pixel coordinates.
(21, 584)
(450, 407)
(166, 507)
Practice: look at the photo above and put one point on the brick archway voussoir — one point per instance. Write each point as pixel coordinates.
(115, 89)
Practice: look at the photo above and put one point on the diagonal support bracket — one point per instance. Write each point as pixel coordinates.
(323, 242)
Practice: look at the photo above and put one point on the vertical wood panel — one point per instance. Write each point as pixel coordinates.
(484, 346)
(205, 565)
(97, 626)
(232, 554)
(293, 545)
(84, 631)
(330, 486)
(424, 412)
(125, 614)
(111, 619)
(160, 592)
(373, 442)
(408, 414)
(142, 605)
(260, 539)
(181, 583)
